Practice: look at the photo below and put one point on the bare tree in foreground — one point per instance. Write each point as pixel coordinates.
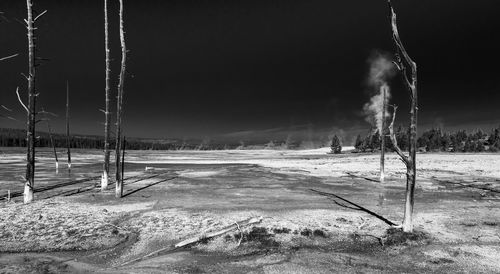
(67, 126)
(119, 109)
(30, 128)
(107, 116)
(402, 61)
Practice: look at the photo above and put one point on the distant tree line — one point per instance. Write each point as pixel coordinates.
(10, 137)
(435, 140)
(460, 141)
(431, 140)
(17, 138)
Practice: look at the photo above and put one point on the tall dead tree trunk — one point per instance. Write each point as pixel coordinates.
(67, 126)
(402, 61)
(107, 116)
(382, 136)
(30, 130)
(53, 145)
(119, 108)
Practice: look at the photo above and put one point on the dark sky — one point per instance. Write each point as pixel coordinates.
(255, 69)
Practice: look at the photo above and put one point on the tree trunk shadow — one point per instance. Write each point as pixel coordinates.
(132, 191)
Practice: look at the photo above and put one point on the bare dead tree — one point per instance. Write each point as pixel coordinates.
(53, 145)
(107, 116)
(402, 61)
(67, 126)
(119, 108)
(382, 137)
(30, 125)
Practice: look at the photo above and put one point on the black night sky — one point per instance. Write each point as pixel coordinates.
(247, 70)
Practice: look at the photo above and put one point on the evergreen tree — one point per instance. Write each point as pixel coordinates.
(358, 143)
(494, 140)
(445, 142)
(423, 140)
(335, 146)
(478, 135)
(480, 146)
(367, 142)
(468, 145)
(431, 140)
(458, 140)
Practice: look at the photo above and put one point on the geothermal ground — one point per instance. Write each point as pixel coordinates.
(76, 228)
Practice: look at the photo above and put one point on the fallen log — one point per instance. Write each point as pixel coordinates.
(237, 225)
(357, 207)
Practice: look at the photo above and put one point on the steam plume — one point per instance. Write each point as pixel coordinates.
(381, 70)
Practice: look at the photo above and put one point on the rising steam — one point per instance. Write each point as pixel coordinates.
(381, 70)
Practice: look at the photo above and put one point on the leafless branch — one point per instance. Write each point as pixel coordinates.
(8, 57)
(21, 22)
(8, 117)
(21, 101)
(6, 108)
(42, 120)
(404, 158)
(3, 17)
(402, 51)
(40, 15)
(43, 112)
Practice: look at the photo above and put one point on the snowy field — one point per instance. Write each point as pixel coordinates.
(316, 162)
(173, 195)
